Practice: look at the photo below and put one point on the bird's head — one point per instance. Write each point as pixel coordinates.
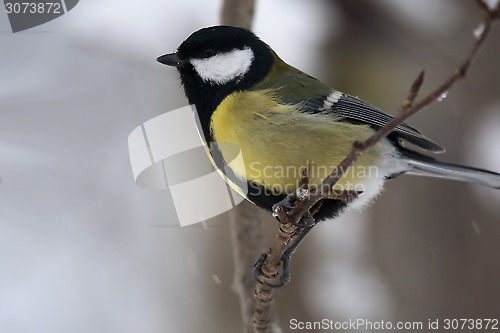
(216, 61)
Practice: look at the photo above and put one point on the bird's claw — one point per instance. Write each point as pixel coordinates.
(285, 206)
(276, 279)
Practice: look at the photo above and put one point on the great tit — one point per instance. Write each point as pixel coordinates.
(283, 120)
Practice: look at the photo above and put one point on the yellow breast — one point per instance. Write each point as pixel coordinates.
(277, 141)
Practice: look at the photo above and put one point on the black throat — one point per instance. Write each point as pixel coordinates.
(206, 96)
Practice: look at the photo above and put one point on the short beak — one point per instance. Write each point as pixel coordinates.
(171, 59)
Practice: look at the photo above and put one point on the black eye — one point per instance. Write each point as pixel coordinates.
(208, 53)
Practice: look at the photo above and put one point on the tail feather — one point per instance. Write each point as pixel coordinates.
(422, 165)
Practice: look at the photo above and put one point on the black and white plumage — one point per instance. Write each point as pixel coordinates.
(280, 118)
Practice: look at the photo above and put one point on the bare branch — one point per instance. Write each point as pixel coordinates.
(360, 148)
(289, 235)
(238, 13)
(415, 88)
(246, 226)
(246, 238)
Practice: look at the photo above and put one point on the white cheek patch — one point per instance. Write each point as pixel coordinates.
(224, 67)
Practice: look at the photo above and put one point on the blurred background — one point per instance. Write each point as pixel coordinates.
(83, 249)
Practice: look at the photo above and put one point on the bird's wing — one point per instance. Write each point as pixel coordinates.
(352, 108)
(296, 88)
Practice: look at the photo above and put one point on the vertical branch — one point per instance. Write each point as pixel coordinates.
(246, 225)
(238, 13)
(246, 237)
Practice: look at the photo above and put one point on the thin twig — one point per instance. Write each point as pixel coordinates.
(412, 95)
(271, 269)
(271, 264)
(359, 148)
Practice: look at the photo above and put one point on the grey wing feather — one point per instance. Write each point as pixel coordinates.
(350, 107)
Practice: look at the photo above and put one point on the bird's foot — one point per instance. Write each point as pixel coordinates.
(273, 278)
(281, 212)
(276, 275)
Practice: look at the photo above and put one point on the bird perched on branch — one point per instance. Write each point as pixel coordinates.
(281, 120)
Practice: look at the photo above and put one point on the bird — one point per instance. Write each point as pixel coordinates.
(280, 120)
